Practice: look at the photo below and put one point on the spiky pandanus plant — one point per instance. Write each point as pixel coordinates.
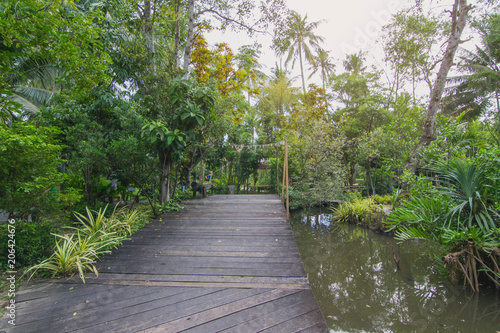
(460, 218)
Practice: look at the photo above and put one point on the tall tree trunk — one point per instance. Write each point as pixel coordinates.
(177, 8)
(165, 166)
(190, 34)
(89, 193)
(459, 20)
(302, 69)
(148, 31)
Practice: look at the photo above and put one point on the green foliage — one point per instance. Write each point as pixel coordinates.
(248, 162)
(363, 211)
(34, 242)
(96, 235)
(382, 199)
(425, 214)
(29, 157)
(461, 215)
(169, 206)
(73, 253)
(70, 197)
(465, 183)
(57, 31)
(99, 227)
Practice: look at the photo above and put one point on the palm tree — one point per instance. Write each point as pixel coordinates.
(475, 91)
(33, 83)
(297, 37)
(275, 101)
(322, 62)
(354, 63)
(247, 59)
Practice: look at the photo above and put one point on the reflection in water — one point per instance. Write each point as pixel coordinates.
(354, 276)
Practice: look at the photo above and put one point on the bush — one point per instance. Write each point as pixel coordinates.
(362, 211)
(383, 199)
(96, 235)
(34, 242)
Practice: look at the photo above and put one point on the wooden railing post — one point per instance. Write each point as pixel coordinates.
(287, 198)
(283, 181)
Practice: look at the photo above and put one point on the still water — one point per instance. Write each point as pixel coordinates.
(353, 274)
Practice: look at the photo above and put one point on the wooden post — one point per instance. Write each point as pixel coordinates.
(277, 176)
(283, 180)
(287, 198)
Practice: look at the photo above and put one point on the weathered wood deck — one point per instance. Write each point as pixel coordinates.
(223, 264)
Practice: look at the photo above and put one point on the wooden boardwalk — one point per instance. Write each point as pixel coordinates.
(223, 264)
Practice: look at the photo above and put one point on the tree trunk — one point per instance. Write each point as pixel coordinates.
(190, 35)
(302, 69)
(165, 166)
(459, 20)
(148, 31)
(89, 193)
(177, 8)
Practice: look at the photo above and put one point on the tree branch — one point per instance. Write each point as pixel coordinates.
(241, 24)
(36, 12)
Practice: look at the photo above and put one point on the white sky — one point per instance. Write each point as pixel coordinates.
(348, 26)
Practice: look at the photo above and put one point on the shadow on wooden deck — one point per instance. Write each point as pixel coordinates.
(223, 264)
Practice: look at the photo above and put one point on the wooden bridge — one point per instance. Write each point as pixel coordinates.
(223, 264)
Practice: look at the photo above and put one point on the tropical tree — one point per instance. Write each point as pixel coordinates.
(322, 63)
(247, 61)
(34, 83)
(477, 90)
(275, 103)
(29, 28)
(29, 177)
(459, 16)
(297, 39)
(408, 42)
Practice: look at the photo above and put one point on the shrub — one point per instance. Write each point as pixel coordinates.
(72, 253)
(96, 235)
(363, 211)
(383, 199)
(34, 242)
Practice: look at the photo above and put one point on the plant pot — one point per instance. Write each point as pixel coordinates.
(231, 188)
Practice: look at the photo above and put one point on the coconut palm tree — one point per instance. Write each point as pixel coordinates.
(296, 40)
(247, 60)
(323, 63)
(33, 83)
(478, 89)
(275, 101)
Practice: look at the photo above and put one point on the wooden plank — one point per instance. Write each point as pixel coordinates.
(186, 322)
(259, 317)
(95, 316)
(296, 271)
(141, 319)
(230, 254)
(102, 302)
(223, 263)
(300, 323)
(197, 278)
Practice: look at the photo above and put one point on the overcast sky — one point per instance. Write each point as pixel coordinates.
(348, 27)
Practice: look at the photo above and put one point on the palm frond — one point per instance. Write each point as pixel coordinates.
(408, 233)
(37, 96)
(26, 105)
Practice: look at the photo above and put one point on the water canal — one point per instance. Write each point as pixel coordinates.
(355, 279)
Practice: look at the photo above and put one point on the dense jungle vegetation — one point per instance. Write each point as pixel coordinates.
(112, 100)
